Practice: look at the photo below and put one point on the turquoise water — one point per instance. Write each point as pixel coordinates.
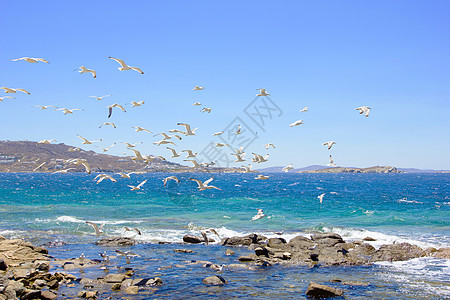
(389, 207)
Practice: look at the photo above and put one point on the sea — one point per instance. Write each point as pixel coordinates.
(413, 208)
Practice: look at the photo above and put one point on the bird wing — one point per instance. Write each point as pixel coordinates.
(200, 184)
(82, 138)
(137, 153)
(22, 90)
(41, 59)
(110, 111)
(137, 69)
(121, 62)
(208, 181)
(87, 167)
(142, 183)
(96, 228)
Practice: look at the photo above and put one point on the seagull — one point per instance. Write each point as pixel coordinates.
(331, 164)
(165, 136)
(132, 229)
(137, 154)
(102, 177)
(321, 197)
(101, 97)
(13, 91)
(86, 70)
(31, 59)
(9, 97)
(106, 149)
(105, 257)
(259, 215)
(240, 150)
(177, 131)
(194, 162)
(87, 167)
(269, 145)
(261, 177)
(87, 142)
(220, 145)
(188, 129)
(125, 175)
(262, 92)
(198, 88)
(38, 167)
(329, 144)
(238, 131)
(126, 254)
(196, 103)
(364, 110)
(248, 169)
(63, 171)
(296, 123)
(110, 107)
(206, 109)
(42, 107)
(162, 142)
(138, 187)
(67, 111)
(124, 66)
(218, 133)
(189, 152)
(139, 103)
(259, 158)
(239, 157)
(107, 123)
(98, 229)
(74, 149)
(174, 153)
(174, 178)
(304, 109)
(177, 136)
(287, 168)
(204, 185)
(81, 258)
(130, 145)
(45, 141)
(138, 128)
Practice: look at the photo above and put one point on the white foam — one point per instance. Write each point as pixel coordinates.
(69, 219)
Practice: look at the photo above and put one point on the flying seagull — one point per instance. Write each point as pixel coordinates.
(138, 187)
(364, 110)
(331, 164)
(124, 66)
(107, 123)
(87, 142)
(188, 129)
(30, 59)
(262, 92)
(304, 109)
(98, 229)
(259, 215)
(329, 144)
(174, 178)
(320, 197)
(287, 168)
(204, 185)
(296, 123)
(101, 97)
(198, 88)
(110, 107)
(83, 70)
(261, 177)
(13, 91)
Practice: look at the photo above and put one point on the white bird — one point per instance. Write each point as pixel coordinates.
(138, 155)
(177, 136)
(177, 131)
(138, 128)
(13, 91)
(262, 92)
(174, 178)
(261, 177)
(188, 129)
(42, 107)
(220, 145)
(124, 66)
(206, 109)
(9, 97)
(38, 167)
(269, 145)
(204, 185)
(67, 111)
(364, 110)
(138, 187)
(296, 123)
(63, 171)
(106, 149)
(259, 215)
(287, 168)
(125, 175)
(87, 142)
(107, 123)
(304, 109)
(165, 136)
(139, 103)
(45, 141)
(132, 229)
(98, 229)
(190, 153)
(110, 107)
(218, 133)
(259, 158)
(196, 103)
(195, 164)
(163, 142)
(238, 131)
(331, 164)
(198, 88)
(102, 177)
(174, 153)
(83, 70)
(101, 97)
(30, 59)
(321, 197)
(248, 169)
(130, 145)
(329, 144)
(87, 167)
(240, 150)
(239, 157)
(75, 149)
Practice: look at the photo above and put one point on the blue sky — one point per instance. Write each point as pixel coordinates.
(392, 56)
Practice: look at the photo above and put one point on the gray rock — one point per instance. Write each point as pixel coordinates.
(229, 252)
(443, 253)
(215, 280)
(114, 278)
(42, 265)
(369, 239)
(31, 295)
(10, 293)
(316, 290)
(47, 295)
(154, 281)
(397, 252)
(244, 240)
(132, 290)
(262, 251)
(192, 239)
(183, 250)
(321, 236)
(276, 242)
(246, 258)
(91, 294)
(53, 284)
(116, 287)
(126, 283)
(17, 286)
(117, 241)
(39, 284)
(300, 243)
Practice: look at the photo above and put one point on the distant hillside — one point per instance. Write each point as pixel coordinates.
(24, 156)
(412, 170)
(377, 169)
(279, 169)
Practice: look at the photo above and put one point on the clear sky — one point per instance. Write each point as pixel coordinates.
(331, 56)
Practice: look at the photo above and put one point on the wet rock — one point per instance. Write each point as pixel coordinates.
(154, 281)
(132, 290)
(369, 239)
(239, 267)
(31, 295)
(39, 284)
(10, 293)
(246, 258)
(316, 290)
(300, 243)
(116, 287)
(85, 281)
(53, 284)
(47, 295)
(42, 265)
(114, 278)
(262, 251)
(244, 240)
(24, 273)
(276, 242)
(229, 252)
(54, 244)
(3, 265)
(88, 294)
(126, 283)
(327, 239)
(443, 253)
(183, 250)
(215, 280)
(116, 241)
(397, 252)
(192, 239)
(214, 267)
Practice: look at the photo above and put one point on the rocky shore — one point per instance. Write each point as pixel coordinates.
(28, 271)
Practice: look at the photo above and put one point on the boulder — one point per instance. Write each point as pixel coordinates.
(42, 265)
(229, 252)
(116, 241)
(300, 243)
(215, 280)
(3, 265)
(316, 290)
(126, 283)
(47, 295)
(443, 253)
(114, 278)
(276, 242)
(31, 295)
(327, 239)
(192, 239)
(183, 250)
(369, 239)
(132, 290)
(243, 240)
(154, 281)
(39, 284)
(397, 252)
(262, 251)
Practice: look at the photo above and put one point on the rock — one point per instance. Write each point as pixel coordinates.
(239, 267)
(276, 242)
(397, 252)
(39, 284)
(443, 253)
(300, 243)
(9, 292)
(246, 258)
(229, 252)
(184, 250)
(117, 241)
(47, 295)
(42, 265)
(53, 284)
(287, 255)
(261, 251)
(214, 267)
(31, 295)
(316, 290)
(3, 265)
(132, 290)
(91, 294)
(192, 239)
(154, 281)
(114, 278)
(116, 287)
(215, 280)
(244, 240)
(85, 281)
(126, 283)
(24, 273)
(17, 286)
(369, 239)
(81, 294)
(327, 239)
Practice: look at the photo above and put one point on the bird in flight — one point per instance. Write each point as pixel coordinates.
(13, 91)
(174, 153)
(190, 153)
(125, 175)
(108, 123)
(262, 92)
(331, 164)
(261, 177)
(83, 70)
(296, 123)
(101, 97)
(98, 229)
(206, 109)
(188, 129)
(218, 133)
(259, 158)
(364, 110)
(248, 169)
(198, 88)
(138, 128)
(204, 185)
(329, 144)
(102, 177)
(42, 107)
(30, 59)
(138, 187)
(9, 97)
(287, 168)
(138, 103)
(195, 164)
(259, 215)
(106, 149)
(46, 141)
(269, 145)
(110, 108)
(67, 111)
(124, 66)
(196, 103)
(87, 142)
(174, 178)
(320, 197)
(304, 109)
